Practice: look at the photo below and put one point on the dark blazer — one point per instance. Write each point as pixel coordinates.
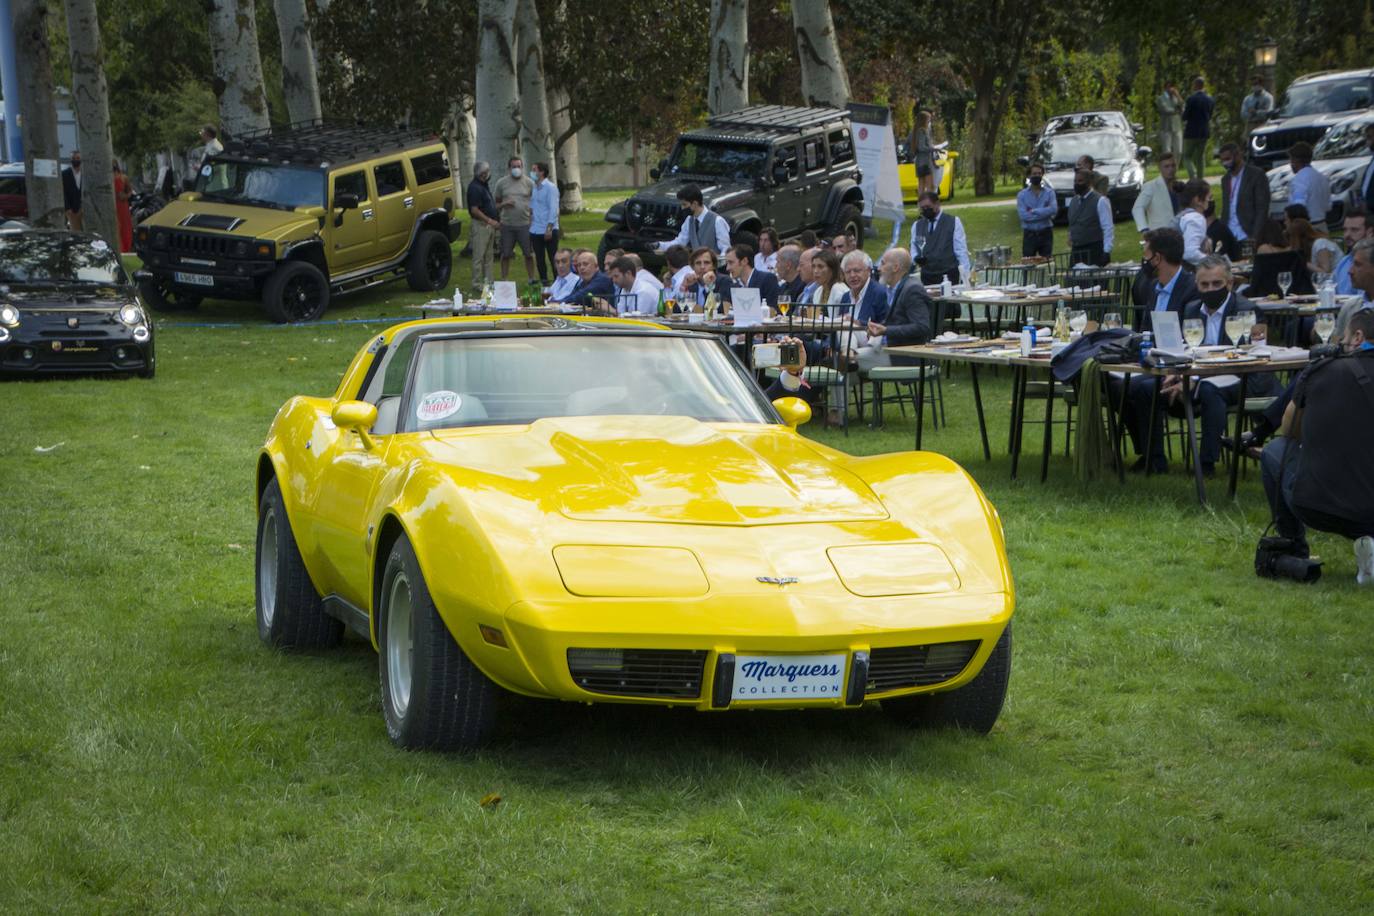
(1252, 207)
(874, 304)
(599, 287)
(1143, 295)
(912, 318)
(763, 281)
(793, 288)
(1237, 303)
(71, 191)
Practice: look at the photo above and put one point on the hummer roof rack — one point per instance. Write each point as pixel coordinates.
(776, 117)
(317, 141)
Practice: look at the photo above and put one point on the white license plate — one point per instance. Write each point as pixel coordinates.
(194, 279)
(787, 678)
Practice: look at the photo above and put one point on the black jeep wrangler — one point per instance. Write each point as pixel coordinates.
(769, 165)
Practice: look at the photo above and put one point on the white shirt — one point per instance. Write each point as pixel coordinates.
(769, 263)
(1193, 225)
(562, 286)
(722, 233)
(960, 243)
(837, 294)
(1312, 189)
(642, 298)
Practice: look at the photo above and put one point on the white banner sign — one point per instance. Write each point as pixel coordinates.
(876, 150)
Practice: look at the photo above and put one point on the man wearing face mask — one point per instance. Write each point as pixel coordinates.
(938, 243)
(1091, 232)
(486, 225)
(700, 227)
(1158, 203)
(1036, 206)
(1244, 194)
(514, 193)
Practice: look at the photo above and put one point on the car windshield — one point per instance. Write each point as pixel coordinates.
(1345, 139)
(260, 184)
(718, 160)
(482, 381)
(1093, 120)
(1062, 150)
(1326, 96)
(43, 258)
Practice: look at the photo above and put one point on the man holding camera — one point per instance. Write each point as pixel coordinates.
(1318, 470)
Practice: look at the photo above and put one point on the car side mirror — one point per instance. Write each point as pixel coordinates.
(346, 201)
(1023, 161)
(1143, 153)
(358, 416)
(1138, 128)
(794, 411)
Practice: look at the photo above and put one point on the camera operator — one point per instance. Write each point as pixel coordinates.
(1318, 470)
(791, 381)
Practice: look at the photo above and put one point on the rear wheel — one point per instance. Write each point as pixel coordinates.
(745, 237)
(161, 296)
(433, 696)
(974, 706)
(290, 612)
(850, 222)
(430, 262)
(296, 292)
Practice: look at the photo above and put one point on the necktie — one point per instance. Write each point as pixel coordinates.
(692, 236)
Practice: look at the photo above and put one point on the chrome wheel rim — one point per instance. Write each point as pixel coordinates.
(267, 567)
(400, 645)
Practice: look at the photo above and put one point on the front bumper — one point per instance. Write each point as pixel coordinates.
(222, 278)
(45, 342)
(536, 659)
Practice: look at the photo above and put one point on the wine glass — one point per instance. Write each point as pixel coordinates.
(1326, 326)
(1078, 320)
(1111, 320)
(1285, 281)
(1235, 326)
(1193, 332)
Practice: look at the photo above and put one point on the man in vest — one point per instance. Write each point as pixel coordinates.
(1091, 233)
(938, 243)
(701, 228)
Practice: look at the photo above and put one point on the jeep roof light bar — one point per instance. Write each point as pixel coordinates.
(777, 117)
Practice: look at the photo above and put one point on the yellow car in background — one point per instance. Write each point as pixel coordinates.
(604, 510)
(944, 172)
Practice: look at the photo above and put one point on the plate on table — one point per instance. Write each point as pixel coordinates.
(1226, 360)
(953, 339)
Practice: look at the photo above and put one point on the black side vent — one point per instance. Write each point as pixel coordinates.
(918, 666)
(638, 672)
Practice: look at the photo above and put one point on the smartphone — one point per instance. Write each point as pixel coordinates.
(768, 356)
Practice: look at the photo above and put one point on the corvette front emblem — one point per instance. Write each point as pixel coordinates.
(778, 580)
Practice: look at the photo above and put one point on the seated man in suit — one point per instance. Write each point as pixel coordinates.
(739, 262)
(863, 301)
(700, 280)
(910, 314)
(632, 292)
(1163, 285)
(790, 282)
(592, 284)
(1215, 303)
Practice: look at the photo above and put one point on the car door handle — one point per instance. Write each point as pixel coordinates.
(798, 192)
(367, 215)
(409, 202)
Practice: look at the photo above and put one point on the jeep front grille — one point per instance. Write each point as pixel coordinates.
(672, 673)
(643, 214)
(918, 666)
(1281, 140)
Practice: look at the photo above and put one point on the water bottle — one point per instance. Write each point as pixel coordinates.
(457, 300)
(1147, 343)
(1027, 340)
(946, 287)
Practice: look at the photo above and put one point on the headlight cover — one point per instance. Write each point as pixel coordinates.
(9, 316)
(131, 315)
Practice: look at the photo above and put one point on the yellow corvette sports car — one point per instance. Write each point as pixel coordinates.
(605, 510)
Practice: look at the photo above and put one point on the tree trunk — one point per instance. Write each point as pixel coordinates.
(92, 121)
(823, 79)
(298, 78)
(567, 154)
(237, 65)
(534, 100)
(729, 81)
(990, 105)
(42, 155)
(467, 142)
(498, 99)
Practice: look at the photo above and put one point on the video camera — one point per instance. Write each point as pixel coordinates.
(1280, 558)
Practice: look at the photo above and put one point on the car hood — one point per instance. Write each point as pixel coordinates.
(65, 297)
(1312, 120)
(1061, 180)
(663, 469)
(713, 190)
(256, 222)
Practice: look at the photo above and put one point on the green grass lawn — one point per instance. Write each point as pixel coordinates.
(1179, 735)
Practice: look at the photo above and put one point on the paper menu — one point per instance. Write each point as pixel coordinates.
(503, 295)
(746, 307)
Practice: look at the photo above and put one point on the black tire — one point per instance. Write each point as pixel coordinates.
(973, 707)
(849, 221)
(745, 237)
(602, 247)
(160, 296)
(430, 262)
(290, 612)
(441, 701)
(296, 292)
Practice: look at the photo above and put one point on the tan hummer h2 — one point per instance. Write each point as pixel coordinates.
(295, 216)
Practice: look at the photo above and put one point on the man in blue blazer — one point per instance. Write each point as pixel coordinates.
(739, 263)
(592, 283)
(857, 269)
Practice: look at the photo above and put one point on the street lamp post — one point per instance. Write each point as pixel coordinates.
(1266, 58)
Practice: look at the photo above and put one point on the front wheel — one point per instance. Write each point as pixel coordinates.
(297, 292)
(430, 262)
(290, 612)
(974, 706)
(849, 221)
(161, 296)
(433, 696)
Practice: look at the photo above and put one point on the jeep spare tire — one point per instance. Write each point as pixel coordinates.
(430, 262)
(850, 221)
(297, 292)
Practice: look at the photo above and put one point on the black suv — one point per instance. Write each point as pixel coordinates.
(1310, 106)
(769, 165)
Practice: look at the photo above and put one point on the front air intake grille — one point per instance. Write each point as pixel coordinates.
(196, 243)
(674, 673)
(1283, 139)
(918, 666)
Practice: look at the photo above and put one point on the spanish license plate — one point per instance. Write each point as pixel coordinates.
(194, 279)
(788, 677)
